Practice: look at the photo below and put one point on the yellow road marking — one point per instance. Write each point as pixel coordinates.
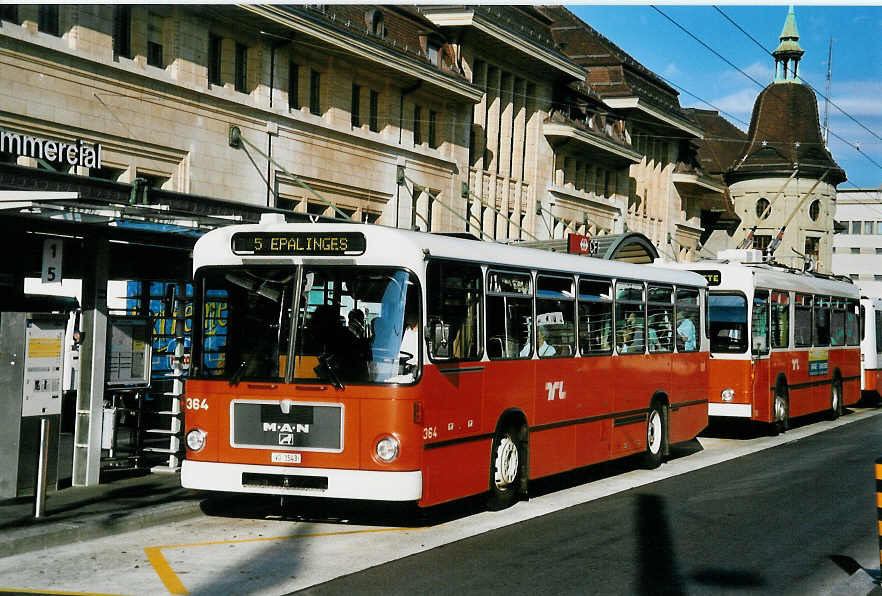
(174, 585)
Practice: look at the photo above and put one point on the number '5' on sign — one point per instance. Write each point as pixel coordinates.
(52, 257)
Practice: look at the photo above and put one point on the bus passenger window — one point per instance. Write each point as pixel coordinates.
(852, 324)
(780, 319)
(837, 321)
(660, 319)
(759, 322)
(595, 316)
(802, 324)
(821, 327)
(555, 316)
(687, 317)
(453, 310)
(630, 318)
(509, 315)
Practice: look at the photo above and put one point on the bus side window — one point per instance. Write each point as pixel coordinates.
(454, 299)
(595, 316)
(630, 318)
(660, 319)
(821, 318)
(687, 317)
(780, 319)
(853, 328)
(555, 316)
(509, 315)
(759, 322)
(837, 321)
(802, 324)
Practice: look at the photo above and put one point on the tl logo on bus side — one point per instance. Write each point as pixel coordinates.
(556, 387)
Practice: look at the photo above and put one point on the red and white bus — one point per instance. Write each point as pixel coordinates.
(783, 343)
(871, 348)
(364, 362)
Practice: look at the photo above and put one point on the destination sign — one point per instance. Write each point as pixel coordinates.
(713, 277)
(325, 244)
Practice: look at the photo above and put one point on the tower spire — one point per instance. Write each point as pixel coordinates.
(788, 52)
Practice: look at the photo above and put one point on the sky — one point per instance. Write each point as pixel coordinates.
(702, 78)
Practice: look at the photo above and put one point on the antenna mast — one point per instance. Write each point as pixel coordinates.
(827, 94)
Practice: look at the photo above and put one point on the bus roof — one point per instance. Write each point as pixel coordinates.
(404, 248)
(741, 275)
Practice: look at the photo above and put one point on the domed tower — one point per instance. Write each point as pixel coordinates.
(785, 178)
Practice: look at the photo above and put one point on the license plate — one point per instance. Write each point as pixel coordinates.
(286, 458)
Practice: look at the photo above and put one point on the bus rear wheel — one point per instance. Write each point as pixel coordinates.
(835, 399)
(507, 465)
(656, 437)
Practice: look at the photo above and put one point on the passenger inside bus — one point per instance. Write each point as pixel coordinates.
(631, 335)
(544, 350)
(685, 332)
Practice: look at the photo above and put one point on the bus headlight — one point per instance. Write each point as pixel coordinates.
(387, 449)
(727, 394)
(196, 439)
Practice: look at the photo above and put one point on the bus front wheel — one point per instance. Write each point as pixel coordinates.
(835, 399)
(507, 459)
(780, 411)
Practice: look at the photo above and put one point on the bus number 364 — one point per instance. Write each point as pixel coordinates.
(194, 403)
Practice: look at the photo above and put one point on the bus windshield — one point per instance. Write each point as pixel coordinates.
(727, 322)
(353, 325)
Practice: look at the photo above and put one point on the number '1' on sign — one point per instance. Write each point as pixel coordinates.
(52, 257)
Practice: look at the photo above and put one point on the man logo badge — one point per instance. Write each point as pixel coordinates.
(286, 438)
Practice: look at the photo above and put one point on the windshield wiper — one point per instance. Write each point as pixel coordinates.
(326, 370)
(237, 376)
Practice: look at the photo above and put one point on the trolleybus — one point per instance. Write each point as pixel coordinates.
(783, 342)
(871, 348)
(365, 362)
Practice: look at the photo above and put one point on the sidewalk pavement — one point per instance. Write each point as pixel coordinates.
(80, 513)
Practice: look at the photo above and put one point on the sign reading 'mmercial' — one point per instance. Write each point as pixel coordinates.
(75, 153)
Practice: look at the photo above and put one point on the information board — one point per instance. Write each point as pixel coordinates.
(44, 352)
(128, 351)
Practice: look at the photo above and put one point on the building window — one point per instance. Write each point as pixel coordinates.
(417, 124)
(241, 68)
(879, 251)
(47, 19)
(215, 49)
(761, 241)
(375, 24)
(877, 277)
(9, 12)
(853, 276)
(869, 228)
(761, 206)
(815, 210)
(356, 107)
(293, 86)
(879, 227)
(855, 227)
(122, 31)
(433, 52)
(813, 247)
(315, 81)
(855, 251)
(374, 117)
(433, 120)
(154, 41)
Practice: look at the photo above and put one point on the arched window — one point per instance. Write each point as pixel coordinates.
(374, 21)
(815, 210)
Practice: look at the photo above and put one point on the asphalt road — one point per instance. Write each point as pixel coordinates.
(793, 519)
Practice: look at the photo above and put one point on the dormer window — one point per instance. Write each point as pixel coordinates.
(374, 21)
(433, 52)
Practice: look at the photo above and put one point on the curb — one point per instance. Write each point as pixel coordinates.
(40, 536)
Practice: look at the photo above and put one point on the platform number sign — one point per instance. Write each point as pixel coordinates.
(52, 256)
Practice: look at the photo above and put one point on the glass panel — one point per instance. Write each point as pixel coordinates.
(852, 323)
(454, 310)
(508, 322)
(759, 322)
(727, 321)
(878, 318)
(821, 327)
(660, 294)
(661, 329)
(687, 319)
(626, 290)
(595, 316)
(780, 319)
(245, 323)
(837, 322)
(802, 323)
(630, 324)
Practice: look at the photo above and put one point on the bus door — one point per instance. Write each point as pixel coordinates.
(761, 361)
(452, 387)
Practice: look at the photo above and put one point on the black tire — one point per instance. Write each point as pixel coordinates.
(508, 458)
(835, 399)
(656, 436)
(780, 411)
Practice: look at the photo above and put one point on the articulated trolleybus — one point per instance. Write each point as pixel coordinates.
(784, 343)
(364, 362)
